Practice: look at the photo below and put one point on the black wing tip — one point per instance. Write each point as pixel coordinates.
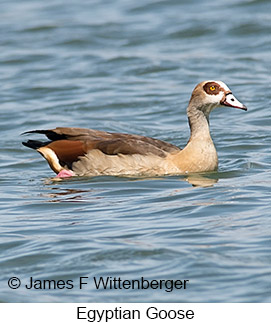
(35, 131)
(34, 144)
(50, 134)
(30, 144)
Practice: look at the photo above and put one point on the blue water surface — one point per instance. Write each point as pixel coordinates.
(130, 66)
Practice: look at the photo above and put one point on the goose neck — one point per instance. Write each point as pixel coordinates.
(199, 124)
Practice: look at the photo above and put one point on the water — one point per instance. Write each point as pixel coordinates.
(130, 66)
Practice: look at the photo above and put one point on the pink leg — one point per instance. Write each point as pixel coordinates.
(65, 173)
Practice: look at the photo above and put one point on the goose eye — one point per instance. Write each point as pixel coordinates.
(211, 88)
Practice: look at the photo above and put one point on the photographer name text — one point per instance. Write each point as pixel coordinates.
(100, 283)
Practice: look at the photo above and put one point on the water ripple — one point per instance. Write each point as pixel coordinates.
(130, 67)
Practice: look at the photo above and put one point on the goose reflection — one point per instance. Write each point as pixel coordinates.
(62, 194)
(198, 180)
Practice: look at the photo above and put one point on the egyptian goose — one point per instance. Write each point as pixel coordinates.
(88, 152)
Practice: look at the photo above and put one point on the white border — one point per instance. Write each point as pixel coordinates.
(203, 312)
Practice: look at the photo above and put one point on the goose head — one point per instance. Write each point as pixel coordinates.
(209, 95)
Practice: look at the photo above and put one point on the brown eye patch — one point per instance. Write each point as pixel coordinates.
(212, 88)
